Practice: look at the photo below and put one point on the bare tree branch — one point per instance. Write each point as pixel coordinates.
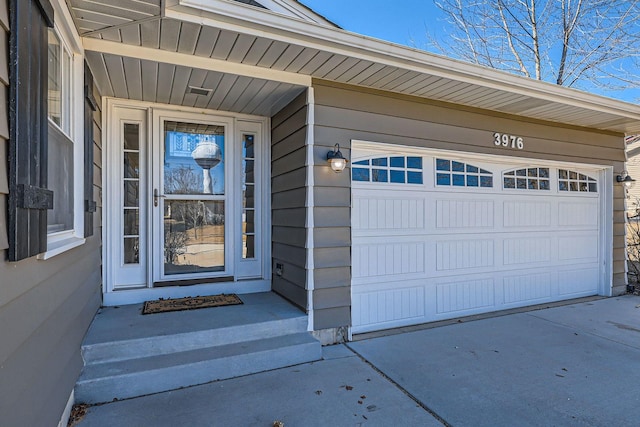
(582, 43)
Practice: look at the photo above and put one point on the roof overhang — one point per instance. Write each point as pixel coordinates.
(260, 44)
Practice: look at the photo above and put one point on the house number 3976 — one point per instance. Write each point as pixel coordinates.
(505, 140)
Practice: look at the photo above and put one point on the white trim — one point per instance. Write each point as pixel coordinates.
(64, 419)
(58, 243)
(606, 183)
(155, 227)
(153, 112)
(64, 22)
(183, 59)
(277, 27)
(136, 296)
(58, 247)
(310, 204)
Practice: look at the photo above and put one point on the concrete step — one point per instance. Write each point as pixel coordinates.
(122, 379)
(126, 348)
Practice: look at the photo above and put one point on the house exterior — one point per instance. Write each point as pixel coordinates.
(168, 148)
(633, 170)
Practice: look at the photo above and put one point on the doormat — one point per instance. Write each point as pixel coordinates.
(189, 303)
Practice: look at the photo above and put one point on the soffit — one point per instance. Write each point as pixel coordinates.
(346, 58)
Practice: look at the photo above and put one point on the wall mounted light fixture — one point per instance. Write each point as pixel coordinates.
(625, 179)
(336, 159)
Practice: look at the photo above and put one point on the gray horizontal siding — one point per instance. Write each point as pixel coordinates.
(45, 309)
(344, 113)
(288, 201)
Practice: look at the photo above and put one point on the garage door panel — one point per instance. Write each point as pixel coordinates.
(379, 259)
(578, 214)
(465, 295)
(526, 213)
(578, 247)
(578, 281)
(527, 250)
(526, 288)
(464, 254)
(393, 305)
(374, 213)
(464, 214)
(451, 247)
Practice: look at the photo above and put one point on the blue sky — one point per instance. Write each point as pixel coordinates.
(403, 22)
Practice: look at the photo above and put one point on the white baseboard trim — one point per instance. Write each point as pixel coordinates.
(67, 410)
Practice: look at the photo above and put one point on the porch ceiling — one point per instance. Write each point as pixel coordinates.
(264, 40)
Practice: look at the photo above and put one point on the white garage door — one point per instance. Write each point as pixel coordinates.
(441, 235)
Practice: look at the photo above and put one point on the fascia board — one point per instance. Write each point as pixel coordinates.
(187, 60)
(293, 8)
(289, 30)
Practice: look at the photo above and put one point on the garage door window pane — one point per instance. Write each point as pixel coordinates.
(393, 169)
(574, 181)
(398, 177)
(397, 162)
(359, 174)
(414, 162)
(527, 179)
(414, 177)
(443, 165)
(486, 181)
(443, 179)
(465, 175)
(379, 175)
(457, 167)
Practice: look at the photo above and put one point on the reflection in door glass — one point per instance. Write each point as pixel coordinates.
(248, 197)
(193, 158)
(193, 236)
(131, 194)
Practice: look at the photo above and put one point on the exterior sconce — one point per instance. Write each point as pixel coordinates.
(336, 160)
(625, 179)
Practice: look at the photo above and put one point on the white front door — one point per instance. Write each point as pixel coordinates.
(184, 202)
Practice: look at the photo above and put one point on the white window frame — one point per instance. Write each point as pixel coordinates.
(70, 40)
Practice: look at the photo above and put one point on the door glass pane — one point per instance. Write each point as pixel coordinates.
(131, 250)
(193, 158)
(131, 181)
(248, 196)
(193, 236)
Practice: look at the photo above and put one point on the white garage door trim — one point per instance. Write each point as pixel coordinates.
(402, 233)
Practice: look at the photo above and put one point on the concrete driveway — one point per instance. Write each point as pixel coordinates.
(574, 365)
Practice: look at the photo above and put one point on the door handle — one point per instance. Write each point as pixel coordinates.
(156, 197)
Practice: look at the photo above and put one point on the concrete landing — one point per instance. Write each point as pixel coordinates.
(128, 354)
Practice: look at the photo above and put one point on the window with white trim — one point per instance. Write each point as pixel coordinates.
(569, 180)
(527, 179)
(65, 107)
(459, 174)
(390, 169)
(61, 143)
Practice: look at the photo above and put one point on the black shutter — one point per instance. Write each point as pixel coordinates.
(29, 198)
(89, 107)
